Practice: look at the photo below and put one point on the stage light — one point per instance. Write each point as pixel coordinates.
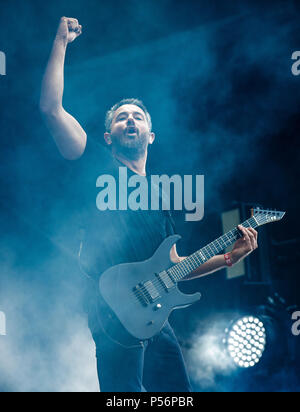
(246, 341)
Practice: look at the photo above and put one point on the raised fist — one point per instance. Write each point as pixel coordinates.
(69, 29)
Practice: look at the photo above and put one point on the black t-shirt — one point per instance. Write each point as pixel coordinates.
(114, 237)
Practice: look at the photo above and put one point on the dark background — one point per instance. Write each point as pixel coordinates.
(216, 78)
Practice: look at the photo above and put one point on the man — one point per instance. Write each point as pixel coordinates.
(123, 237)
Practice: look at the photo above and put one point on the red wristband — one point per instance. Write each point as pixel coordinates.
(228, 259)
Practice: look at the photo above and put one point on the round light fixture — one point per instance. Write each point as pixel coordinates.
(246, 341)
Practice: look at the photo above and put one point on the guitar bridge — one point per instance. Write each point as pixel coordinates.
(140, 294)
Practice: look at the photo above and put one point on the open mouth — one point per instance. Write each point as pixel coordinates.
(131, 130)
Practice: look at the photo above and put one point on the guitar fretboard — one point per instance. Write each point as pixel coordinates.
(192, 262)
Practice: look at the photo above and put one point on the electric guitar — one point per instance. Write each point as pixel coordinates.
(140, 296)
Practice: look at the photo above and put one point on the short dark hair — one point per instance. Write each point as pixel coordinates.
(110, 113)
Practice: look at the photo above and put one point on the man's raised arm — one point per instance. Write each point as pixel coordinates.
(69, 136)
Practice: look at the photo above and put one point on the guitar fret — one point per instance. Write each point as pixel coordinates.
(211, 247)
(219, 244)
(176, 272)
(170, 273)
(191, 260)
(184, 269)
(210, 250)
(188, 265)
(175, 276)
(206, 253)
(202, 257)
(195, 259)
(215, 247)
(198, 261)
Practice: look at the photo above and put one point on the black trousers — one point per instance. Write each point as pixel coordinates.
(155, 365)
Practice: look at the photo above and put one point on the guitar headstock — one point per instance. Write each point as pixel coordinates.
(263, 216)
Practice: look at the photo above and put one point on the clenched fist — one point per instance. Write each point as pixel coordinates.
(68, 30)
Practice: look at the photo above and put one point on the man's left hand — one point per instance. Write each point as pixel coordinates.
(245, 245)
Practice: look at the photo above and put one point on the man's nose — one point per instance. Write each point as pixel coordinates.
(130, 119)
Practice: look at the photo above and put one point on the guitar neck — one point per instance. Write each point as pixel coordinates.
(192, 262)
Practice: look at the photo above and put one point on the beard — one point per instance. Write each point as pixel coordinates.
(132, 147)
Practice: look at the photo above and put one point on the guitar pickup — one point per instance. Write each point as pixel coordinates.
(151, 291)
(166, 280)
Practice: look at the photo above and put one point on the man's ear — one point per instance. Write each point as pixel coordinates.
(151, 138)
(107, 138)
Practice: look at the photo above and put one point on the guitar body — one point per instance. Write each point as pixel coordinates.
(141, 295)
(112, 327)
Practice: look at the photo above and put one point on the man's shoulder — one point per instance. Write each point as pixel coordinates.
(96, 160)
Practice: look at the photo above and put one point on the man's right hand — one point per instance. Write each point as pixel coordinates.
(68, 30)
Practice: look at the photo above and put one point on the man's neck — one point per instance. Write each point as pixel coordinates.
(138, 166)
